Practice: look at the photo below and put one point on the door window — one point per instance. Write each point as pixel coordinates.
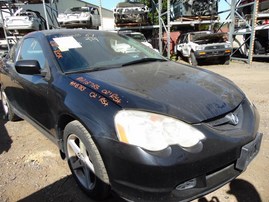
(31, 50)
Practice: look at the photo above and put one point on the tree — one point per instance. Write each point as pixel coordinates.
(154, 6)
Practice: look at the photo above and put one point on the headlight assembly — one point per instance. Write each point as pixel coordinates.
(227, 45)
(200, 48)
(84, 15)
(155, 132)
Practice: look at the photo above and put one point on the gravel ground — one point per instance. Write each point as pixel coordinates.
(32, 170)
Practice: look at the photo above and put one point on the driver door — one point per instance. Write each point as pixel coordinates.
(34, 87)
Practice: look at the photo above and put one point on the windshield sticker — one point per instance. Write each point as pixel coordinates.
(66, 43)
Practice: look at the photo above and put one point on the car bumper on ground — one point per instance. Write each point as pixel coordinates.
(171, 175)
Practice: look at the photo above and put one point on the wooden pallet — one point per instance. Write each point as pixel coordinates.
(197, 18)
(131, 24)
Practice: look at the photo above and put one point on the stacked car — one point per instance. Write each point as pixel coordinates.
(80, 17)
(131, 11)
(180, 8)
(24, 21)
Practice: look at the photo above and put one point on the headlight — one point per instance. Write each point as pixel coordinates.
(154, 132)
(200, 48)
(61, 15)
(227, 45)
(84, 15)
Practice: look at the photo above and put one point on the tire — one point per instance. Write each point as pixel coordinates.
(89, 25)
(193, 60)
(226, 60)
(7, 108)
(85, 161)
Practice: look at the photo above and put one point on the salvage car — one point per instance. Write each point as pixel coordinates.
(131, 11)
(241, 41)
(198, 46)
(80, 17)
(135, 123)
(191, 8)
(24, 21)
(245, 7)
(138, 36)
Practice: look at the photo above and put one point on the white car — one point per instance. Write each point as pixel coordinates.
(198, 46)
(24, 20)
(138, 37)
(80, 17)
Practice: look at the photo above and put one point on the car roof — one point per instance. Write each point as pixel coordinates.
(63, 31)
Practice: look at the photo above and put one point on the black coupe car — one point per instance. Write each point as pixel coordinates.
(127, 119)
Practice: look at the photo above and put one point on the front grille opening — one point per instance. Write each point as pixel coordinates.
(229, 121)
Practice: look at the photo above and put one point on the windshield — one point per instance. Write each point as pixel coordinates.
(77, 10)
(138, 37)
(205, 38)
(95, 50)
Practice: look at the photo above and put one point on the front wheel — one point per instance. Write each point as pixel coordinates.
(85, 161)
(8, 110)
(226, 60)
(193, 60)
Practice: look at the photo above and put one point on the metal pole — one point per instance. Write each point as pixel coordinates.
(5, 32)
(46, 16)
(160, 26)
(168, 29)
(253, 31)
(101, 16)
(232, 24)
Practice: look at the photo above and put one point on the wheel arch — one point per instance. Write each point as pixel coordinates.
(63, 120)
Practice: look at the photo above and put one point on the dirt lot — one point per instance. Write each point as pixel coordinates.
(32, 170)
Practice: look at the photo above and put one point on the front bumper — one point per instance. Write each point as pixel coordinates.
(212, 53)
(173, 175)
(75, 22)
(21, 26)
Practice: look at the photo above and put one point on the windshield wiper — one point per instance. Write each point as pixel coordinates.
(143, 60)
(92, 69)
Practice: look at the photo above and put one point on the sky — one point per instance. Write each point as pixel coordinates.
(108, 4)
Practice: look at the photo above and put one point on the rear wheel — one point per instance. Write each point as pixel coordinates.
(8, 110)
(85, 161)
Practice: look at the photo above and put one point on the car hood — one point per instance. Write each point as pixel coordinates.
(187, 93)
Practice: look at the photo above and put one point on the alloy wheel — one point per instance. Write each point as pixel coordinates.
(80, 162)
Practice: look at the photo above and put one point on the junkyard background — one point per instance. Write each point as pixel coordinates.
(31, 168)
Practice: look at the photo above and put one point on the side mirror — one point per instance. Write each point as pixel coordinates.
(29, 67)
